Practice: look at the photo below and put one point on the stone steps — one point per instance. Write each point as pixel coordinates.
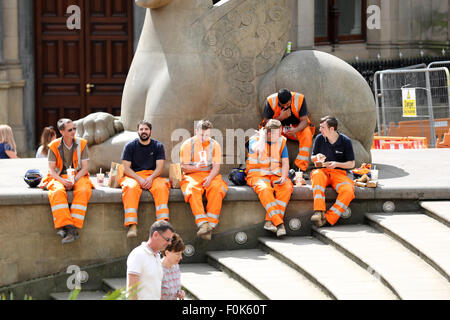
(204, 282)
(396, 256)
(439, 210)
(265, 275)
(423, 235)
(406, 274)
(341, 277)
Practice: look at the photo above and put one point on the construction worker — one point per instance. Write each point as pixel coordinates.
(66, 155)
(143, 161)
(201, 157)
(290, 108)
(267, 173)
(333, 151)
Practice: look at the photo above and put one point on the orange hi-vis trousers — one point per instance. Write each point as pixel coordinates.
(304, 139)
(131, 194)
(274, 199)
(344, 186)
(57, 195)
(192, 188)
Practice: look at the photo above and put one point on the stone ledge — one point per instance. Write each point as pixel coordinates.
(27, 196)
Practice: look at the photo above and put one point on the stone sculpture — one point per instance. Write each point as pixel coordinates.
(197, 60)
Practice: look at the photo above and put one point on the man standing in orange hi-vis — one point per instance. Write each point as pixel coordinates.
(267, 173)
(201, 157)
(143, 161)
(66, 155)
(290, 108)
(332, 151)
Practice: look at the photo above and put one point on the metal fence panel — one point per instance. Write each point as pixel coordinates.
(432, 103)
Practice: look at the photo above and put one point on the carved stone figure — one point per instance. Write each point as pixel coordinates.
(195, 61)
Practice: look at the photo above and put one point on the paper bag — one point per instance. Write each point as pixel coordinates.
(175, 175)
(115, 175)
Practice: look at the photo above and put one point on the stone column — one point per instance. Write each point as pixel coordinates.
(305, 33)
(11, 79)
(383, 41)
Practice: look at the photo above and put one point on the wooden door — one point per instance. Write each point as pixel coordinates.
(81, 71)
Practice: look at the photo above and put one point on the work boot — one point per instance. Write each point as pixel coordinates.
(206, 236)
(204, 228)
(132, 231)
(61, 232)
(71, 235)
(281, 231)
(270, 227)
(319, 218)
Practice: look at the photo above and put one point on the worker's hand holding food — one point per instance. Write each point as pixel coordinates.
(330, 164)
(319, 160)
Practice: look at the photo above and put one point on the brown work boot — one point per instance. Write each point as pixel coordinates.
(132, 231)
(204, 228)
(206, 236)
(319, 218)
(281, 230)
(270, 227)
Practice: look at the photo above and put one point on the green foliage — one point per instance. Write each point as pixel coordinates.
(4, 297)
(119, 294)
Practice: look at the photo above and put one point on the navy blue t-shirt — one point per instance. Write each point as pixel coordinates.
(340, 151)
(143, 157)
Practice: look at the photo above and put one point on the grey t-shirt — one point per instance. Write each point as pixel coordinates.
(68, 156)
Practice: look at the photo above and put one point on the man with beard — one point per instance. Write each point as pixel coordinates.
(143, 161)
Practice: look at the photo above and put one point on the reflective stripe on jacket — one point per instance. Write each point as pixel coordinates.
(296, 105)
(267, 162)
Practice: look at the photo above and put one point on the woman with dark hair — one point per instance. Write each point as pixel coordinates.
(171, 283)
(48, 135)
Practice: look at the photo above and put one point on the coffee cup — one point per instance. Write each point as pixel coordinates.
(71, 174)
(100, 179)
(298, 178)
(374, 174)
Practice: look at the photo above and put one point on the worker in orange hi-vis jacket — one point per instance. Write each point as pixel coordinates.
(143, 161)
(68, 161)
(291, 110)
(201, 157)
(333, 152)
(267, 173)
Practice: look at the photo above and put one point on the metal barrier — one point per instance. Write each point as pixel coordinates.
(413, 102)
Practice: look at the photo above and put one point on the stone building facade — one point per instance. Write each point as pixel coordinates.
(344, 28)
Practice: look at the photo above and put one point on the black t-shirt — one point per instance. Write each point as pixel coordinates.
(143, 157)
(340, 151)
(268, 114)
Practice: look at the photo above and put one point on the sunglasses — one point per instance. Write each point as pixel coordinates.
(167, 239)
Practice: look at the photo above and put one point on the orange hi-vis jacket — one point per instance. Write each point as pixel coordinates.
(195, 148)
(56, 147)
(192, 183)
(296, 105)
(82, 189)
(267, 162)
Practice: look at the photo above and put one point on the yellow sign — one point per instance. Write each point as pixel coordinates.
(409, 102)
